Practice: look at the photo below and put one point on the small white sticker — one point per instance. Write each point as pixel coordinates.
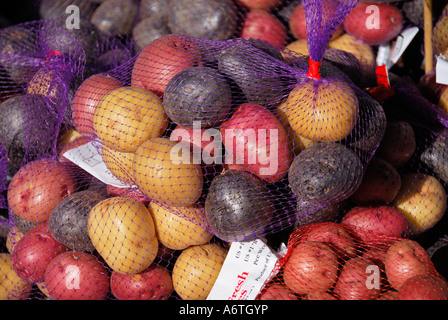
(88, 157)
(388, 54)
(247, 267)
(442, 70)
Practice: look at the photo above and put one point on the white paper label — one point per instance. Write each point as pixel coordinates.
(442, 70)
(389, 54)
(247, 267)
(88, 157)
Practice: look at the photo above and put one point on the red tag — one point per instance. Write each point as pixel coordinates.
(382, 76)
(383, 91)
(51, 54)
(314, 69)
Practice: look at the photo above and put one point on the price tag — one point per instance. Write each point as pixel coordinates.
(442, 70)
(388, 54)
(247, 267)
(88, 157)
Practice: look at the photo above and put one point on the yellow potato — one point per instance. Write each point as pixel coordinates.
(362, 51)
(321, 110)
(123, 232)
(48, 83)
(12, 287)
(127, 116)
(119, 163)
(196, 269)
(299, 46)
(181, 227)
(162, 177)
(13, 236)
(422, 200)
(297, 142)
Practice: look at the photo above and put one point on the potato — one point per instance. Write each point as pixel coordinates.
(76, 275)
(196, 269)
(68, 220)
(14, 235)
(164, 180)
(380, 183)
(179, 228)
(299, 46)
(155, 283)
(323, 111)
(119, 163)
(352, 280)
(311, 267)
(123, 232)
(36, 189)
(162, 59)
(12, 287)
(362, 51)
(116, 17)
(148, 30)
(422, 200)
(398, 144)
(277, 291)
(86, 99)
(127, 116)
(205, 19)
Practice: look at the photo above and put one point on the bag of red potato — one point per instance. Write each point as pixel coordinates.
(329, 261)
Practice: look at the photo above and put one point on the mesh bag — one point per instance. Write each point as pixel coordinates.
(329, 261)
(171, 134)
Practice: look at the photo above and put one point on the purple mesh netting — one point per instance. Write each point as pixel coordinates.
(322, 20)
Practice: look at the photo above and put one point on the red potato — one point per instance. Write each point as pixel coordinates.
(297, 22)
(131, 192)
(76, 275)
(86, 99)
(320, 296)
(311, 267)
(155, 283)
(260, 4)
(404, 260)
(37, 188)
(257, 142)
(34, 251)
(423, 287)
(263, 25)
(380, 184)
(389, 295)
(339, 237)
(374, 24)
(277, 291)
(162, 59)
(353, 281)
(376, 255)
(370, 223)
(398, 144)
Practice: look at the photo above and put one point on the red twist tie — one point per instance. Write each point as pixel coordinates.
(313, 71)
(51, 54)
